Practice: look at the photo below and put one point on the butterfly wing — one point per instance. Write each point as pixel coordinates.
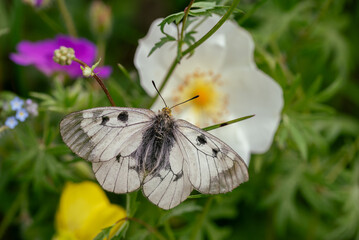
(213, 166)
(107, 137)
(100, 134)
(170, 186)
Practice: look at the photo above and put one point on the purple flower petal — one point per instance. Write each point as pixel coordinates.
(104, 71)
(40, 54)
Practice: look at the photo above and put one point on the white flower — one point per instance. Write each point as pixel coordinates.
(224, 75)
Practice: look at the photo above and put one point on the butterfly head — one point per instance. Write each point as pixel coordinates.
(166, 111)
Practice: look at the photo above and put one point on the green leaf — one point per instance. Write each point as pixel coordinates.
(330, 91)
(105, 233)
(226, 123)
(176, 17)
(162, 42)
(203, 5)
(181, 209)
(299, 139)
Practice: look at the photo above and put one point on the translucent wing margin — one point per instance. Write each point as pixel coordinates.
(213, 166)
(100, 134)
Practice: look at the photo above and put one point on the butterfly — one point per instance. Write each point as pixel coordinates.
(132, 148)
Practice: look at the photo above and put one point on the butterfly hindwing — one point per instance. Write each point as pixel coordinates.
(170, 186)
(214, 167)
(100, 134)
(118, 175)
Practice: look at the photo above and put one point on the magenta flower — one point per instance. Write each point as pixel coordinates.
(40, 54)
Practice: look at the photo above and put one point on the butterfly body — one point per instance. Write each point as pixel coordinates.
(132, 148)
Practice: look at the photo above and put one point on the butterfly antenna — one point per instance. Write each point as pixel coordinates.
(185, 101)
(159, 93)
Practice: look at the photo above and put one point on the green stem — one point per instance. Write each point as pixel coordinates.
(67, 18)
(169, 231)
(52, 24)
(198, 225)
(101, 48)
(11, 213)
(180, 40)
(98, 79)
(195, 45)
(151, 229)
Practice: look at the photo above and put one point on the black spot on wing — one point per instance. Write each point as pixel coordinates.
(178, 176)
(214, 152)
(105, 119)
(118, 157)
(223, 124)
(201, 140)
(123, 116)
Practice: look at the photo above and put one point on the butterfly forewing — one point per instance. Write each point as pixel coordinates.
(214, 167)
(99, 134)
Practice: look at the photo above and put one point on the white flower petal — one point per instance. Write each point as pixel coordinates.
(254, 92)
(237, 44)
(155, 66)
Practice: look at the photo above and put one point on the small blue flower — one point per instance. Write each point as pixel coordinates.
(16, 103)
(31, 107)
(22, 114)
(11, 122)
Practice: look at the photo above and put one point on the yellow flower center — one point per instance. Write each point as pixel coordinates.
(210, 106)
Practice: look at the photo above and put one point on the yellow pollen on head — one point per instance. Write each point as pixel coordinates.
(211, 104)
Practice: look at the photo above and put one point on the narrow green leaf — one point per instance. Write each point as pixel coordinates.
(103, 234)
(299, 139)
(226, 123)
(176, 17)
(162, 41)
(203, 4)
(186, 207)
(330, 91)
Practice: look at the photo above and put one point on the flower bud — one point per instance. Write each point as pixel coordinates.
(100, 18)
(64, 55)
(86, 71)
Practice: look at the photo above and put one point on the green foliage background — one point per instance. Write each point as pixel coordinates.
(305, 187)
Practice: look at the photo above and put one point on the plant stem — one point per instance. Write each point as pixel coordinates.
(98, 79)
(52, 24)
(194, 46)
(67, 18)
(169, 231)
(151, 229)
(11, 213)
(213, 30)
(201, 218)
(180, 40)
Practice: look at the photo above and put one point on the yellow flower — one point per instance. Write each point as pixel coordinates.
(85, 210)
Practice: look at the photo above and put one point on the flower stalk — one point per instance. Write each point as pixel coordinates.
(67, 18)
(99, 81)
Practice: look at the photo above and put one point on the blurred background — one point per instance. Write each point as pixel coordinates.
(305, 187)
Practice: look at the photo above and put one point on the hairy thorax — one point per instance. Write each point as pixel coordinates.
(157, 142)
